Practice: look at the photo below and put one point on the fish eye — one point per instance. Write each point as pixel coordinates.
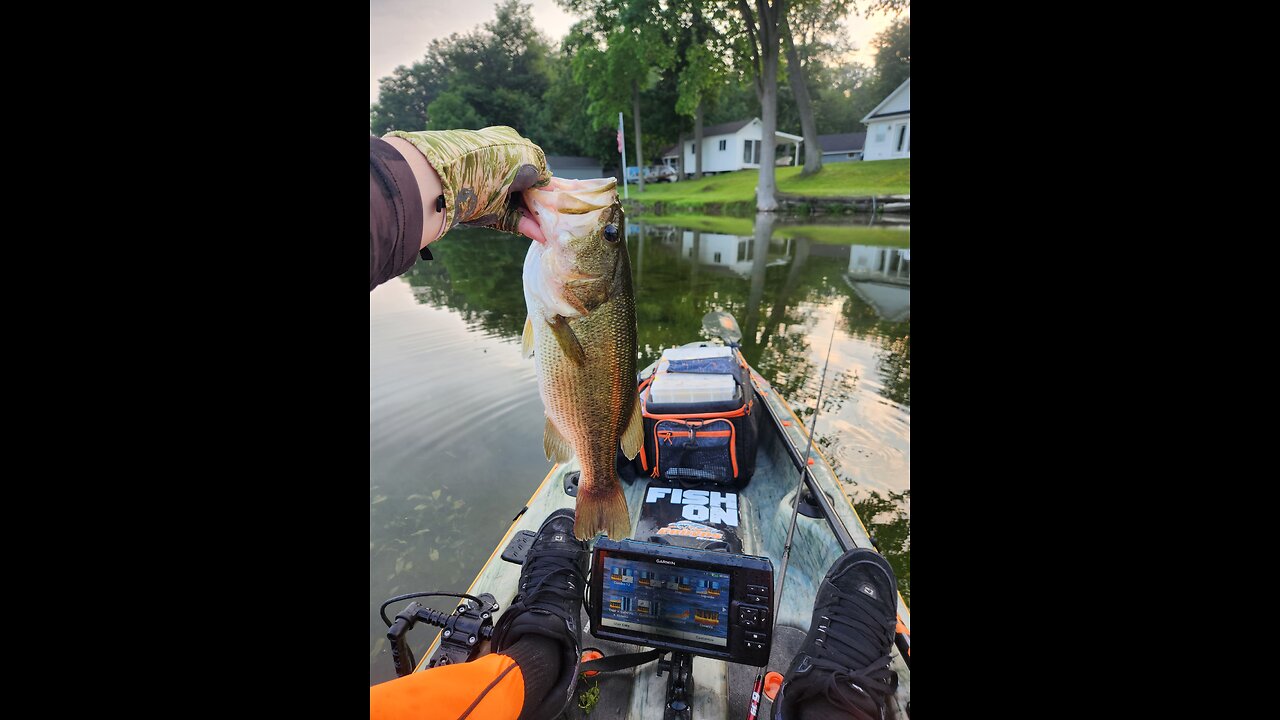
(611, 233)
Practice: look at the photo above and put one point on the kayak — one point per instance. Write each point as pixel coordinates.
(827, 525)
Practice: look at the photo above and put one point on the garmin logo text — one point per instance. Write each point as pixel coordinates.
(664, 562)
(700, 505)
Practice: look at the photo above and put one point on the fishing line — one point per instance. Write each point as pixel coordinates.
(795, 511)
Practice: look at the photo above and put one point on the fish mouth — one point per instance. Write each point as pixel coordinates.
(565, 207)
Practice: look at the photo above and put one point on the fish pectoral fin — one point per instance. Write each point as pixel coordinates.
(554, 444)
(633, 435)
(567, 340)
(526, 338)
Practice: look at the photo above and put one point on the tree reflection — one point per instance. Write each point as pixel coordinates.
(889, 523)
(476, 272)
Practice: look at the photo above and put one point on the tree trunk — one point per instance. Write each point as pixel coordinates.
(680, 157)
(697, 143)
(767, 85)
(766, 191)
(763, 234)
(812, 148)
(635, 95)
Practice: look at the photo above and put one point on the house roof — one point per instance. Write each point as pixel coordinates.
(725, 128)
(842, 142)
(897, 91)
(892, 114)
(565, 162)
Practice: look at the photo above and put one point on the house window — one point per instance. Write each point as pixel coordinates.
(693, 148)
(746, 151)
(717, 257)
(751, 151)
(880, 133)
(722, 144)
(902, 135)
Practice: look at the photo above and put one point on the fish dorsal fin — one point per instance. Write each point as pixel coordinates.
(554, 444)
(567, 340)
(633, 435)
(526, 338)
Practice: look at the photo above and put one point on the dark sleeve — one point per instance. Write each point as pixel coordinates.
(395, 213)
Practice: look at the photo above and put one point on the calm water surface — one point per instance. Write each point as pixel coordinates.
(455, 423)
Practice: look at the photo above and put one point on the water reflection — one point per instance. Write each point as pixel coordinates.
(788, 294)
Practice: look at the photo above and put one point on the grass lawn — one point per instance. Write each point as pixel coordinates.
(831, 234)
(848, 179)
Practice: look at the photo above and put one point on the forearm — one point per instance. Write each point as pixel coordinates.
(429, 187)
(402, 220)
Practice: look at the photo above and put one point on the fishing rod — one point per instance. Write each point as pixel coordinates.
(795, 511)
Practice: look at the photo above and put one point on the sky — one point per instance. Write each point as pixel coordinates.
(399, 30)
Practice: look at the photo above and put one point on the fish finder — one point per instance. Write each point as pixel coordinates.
(703, 602)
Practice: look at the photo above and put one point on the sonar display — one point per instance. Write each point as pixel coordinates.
(678, 602)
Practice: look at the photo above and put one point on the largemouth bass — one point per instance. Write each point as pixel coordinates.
(581, 331)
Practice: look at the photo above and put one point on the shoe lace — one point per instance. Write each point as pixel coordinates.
(554, 579)
(855, 645)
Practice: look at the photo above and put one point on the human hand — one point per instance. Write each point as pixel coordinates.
(482, 173)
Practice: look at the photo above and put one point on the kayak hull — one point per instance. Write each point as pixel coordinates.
(721, 690)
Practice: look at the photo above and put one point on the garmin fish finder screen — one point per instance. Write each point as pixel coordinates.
(677, 602)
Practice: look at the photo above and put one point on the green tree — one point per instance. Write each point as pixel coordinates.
(892, 66)
(402, 99)
(450, 110)
(495, 75)
(563, 121)
(701, 70)
(626, 48)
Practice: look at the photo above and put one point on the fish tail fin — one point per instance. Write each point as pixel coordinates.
(602, 508)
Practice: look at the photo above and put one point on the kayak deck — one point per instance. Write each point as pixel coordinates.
(721, 690)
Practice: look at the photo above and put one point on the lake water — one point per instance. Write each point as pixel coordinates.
(455, 423)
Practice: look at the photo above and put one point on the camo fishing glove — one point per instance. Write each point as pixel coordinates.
(480, 170)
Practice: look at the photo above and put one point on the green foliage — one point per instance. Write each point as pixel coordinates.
(450, 111)
(495, 75)
(402, 99)
(889, 522)
(892, 67)
(587, 700)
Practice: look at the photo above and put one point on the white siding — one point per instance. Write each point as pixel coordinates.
(882, 138)
(732, 251)
(713, 158)
(883, 132)
(716, 160)
(898, 103)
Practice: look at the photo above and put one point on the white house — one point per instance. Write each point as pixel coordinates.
(732, 146)
(889, 126)
(734, 252)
